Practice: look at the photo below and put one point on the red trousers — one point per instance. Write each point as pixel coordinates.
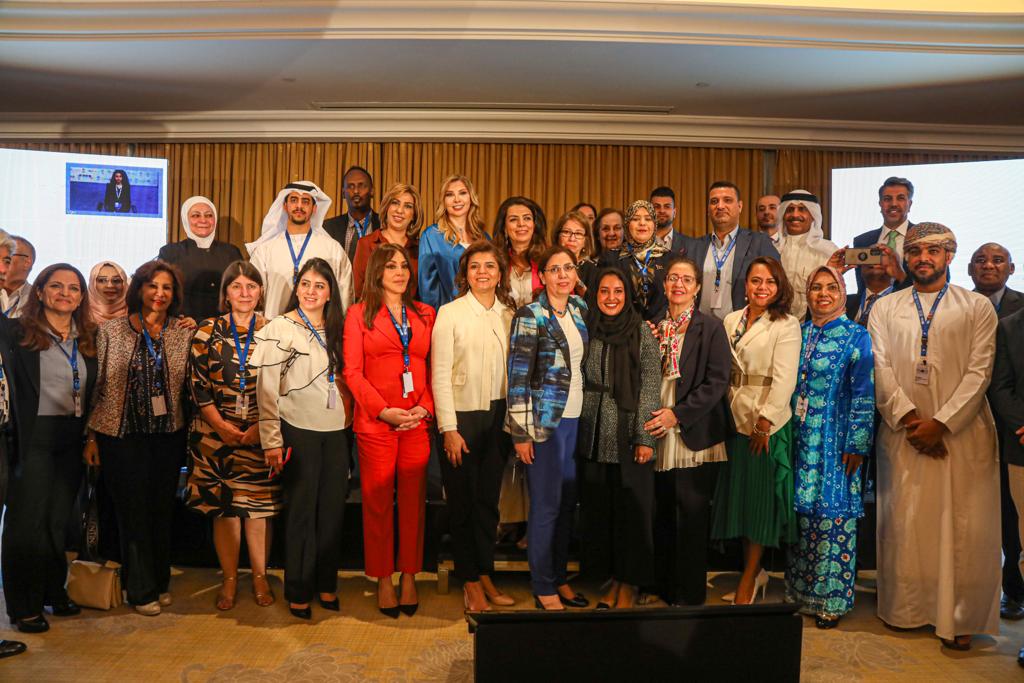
(389, 461)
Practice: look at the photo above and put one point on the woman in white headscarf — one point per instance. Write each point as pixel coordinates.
(201, 258)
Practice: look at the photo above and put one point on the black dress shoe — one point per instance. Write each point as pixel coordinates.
(65, 609)
(9, 648)
(577, 600)
(603, 605)
(333, 605)
(1020, 655)
(36, 624)
(301, 612)
(826, 623)
(1011, 609)
(391, 612)
(409, 610)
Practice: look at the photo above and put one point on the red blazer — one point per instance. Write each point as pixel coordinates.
(373, 365)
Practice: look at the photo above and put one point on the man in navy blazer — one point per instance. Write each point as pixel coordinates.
(663, 199)
(895, 197)
(726, 253)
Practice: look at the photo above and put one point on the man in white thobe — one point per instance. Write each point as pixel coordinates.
(292, 234)
(938, 467)
(802, 245)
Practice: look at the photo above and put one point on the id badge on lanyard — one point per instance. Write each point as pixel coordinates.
(405, 336)
(922, 371)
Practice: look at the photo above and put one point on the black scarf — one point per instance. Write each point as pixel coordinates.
(620, 335)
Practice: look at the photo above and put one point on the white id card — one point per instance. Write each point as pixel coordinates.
(406, 384)
(78, 403)
(159, 405)
(332, 397)
(241, 405)
(921, 372)
(801, 407)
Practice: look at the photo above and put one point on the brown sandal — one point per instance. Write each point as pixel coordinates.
(262, 599)
(225, 601)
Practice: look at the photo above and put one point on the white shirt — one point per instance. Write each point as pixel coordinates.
(16, 300)
(574, 404)
(901, 236)
(274, 262)
(521, 285)
(666, 241)
(718, 303)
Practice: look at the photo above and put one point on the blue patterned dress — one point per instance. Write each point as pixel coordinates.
(837, 377)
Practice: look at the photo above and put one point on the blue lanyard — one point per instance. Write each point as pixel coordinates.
(14, 305)
(297, 261)
(361, 230)
(926, 323)
(158, 358)
(404, 334)
(805, 363)
(319, 339)
(720, 262)
(866, 305)
(243, 354)
(76, 384)
(641, 266)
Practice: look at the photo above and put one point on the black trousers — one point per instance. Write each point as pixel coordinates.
(41, 492)
(473, 488)
(1013, 583)
(141, 472)
(682, 526)
(617, 510)
(315, 485)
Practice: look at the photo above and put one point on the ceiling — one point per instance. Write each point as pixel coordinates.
(644, 60)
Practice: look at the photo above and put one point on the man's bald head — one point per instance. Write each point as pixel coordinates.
(990, 267)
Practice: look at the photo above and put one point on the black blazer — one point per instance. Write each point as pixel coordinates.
(1006, 392)
(702, 390)
(1012, 302)
(749, 246)
(25, 385)
(337, 228)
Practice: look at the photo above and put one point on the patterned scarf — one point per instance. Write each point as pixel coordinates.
(671, 332)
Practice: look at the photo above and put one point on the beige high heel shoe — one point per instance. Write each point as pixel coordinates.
(760, 581)
(262, 599)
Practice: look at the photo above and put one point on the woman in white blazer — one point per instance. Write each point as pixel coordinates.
(754, 496)
(469, 361)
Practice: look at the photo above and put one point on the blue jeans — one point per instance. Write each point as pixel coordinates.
(552, 482)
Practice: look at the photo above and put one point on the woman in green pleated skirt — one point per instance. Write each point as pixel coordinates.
(754, 496)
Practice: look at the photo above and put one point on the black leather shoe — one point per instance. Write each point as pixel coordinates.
(9, 648)
(301, 612)
(577, 600)
(390, 612)
(826, 623)
(1020, 655)
(409, 610)
(333, 605)
(1011, 609)
(603, 605)
(66, 609)
(36, 624)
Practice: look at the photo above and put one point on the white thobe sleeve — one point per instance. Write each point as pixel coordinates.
(343, 274)
(966, 401)
(892, 403)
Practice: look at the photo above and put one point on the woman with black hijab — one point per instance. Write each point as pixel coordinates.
(201, 257)
(622, 381)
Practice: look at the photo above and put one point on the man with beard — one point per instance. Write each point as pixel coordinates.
(938, 465)
(292, 234)
(765, 211)
(802, 243)
(726, 253)
(361, 219)
(663, 199)
(895, 197)
(990, 267)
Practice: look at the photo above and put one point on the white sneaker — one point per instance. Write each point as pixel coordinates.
(165, 599)
(150, 609)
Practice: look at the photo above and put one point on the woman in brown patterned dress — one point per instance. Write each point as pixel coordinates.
(229, 479)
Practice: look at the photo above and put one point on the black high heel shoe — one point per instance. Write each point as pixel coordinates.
(333, 605)
(577, 600)
(391, 612)
(301, 612)
(409, 610)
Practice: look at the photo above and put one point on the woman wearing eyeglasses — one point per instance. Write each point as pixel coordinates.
(108, 285)
(643, 259)
(572, 231)
(545, 399)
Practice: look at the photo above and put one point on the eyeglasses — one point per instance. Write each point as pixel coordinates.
(685, 279)
(558, 270)
(831, 289)
(572, 235)
(116, 281)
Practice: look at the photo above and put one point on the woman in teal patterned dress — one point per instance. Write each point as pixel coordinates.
(833, 415)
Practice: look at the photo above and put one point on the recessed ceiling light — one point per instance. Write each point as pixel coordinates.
(702, 84)
(288, 79)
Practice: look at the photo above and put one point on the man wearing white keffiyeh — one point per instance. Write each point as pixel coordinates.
(802, 245)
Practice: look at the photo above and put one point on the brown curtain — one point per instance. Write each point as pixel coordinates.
(811, 169)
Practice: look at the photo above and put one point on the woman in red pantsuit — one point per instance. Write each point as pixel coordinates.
(386, 347)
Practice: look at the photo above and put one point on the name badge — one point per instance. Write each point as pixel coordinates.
(159, 405)
(921, 372)
(78, 403)
(406, 384)
(241, 405)
(332, 396)
(801, 407)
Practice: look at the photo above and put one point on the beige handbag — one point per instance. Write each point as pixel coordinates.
(91, 584)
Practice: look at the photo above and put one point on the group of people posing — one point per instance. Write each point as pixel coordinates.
(676, 388)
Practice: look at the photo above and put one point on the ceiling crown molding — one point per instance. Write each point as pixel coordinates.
(383, 125)
(844, 25)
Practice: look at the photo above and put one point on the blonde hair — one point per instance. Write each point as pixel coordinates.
(474, 224)
(392, 194)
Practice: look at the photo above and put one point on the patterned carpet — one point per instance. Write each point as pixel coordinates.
(192, 643)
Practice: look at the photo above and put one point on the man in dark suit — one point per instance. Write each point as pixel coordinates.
(1006, 395)
(895, 197)
(726, 253)
(990, 267)
(664, 201)
(361, 219)
(765, 211)
(878, 280)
